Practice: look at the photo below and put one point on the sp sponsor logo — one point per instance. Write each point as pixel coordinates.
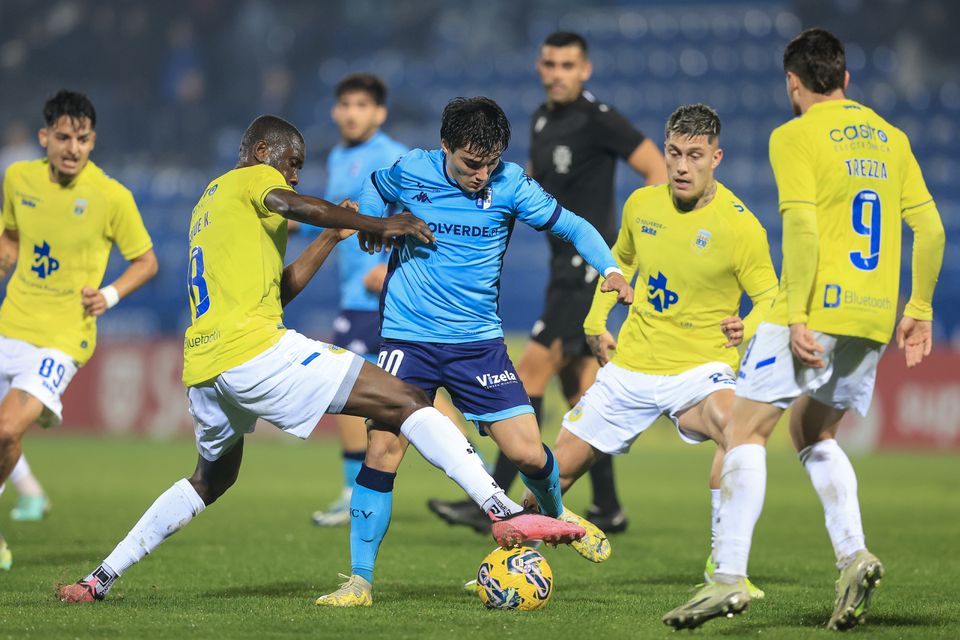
(44, 264)
(658, 294)
(490, 380)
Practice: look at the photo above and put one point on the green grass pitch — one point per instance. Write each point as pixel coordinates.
(252, 564)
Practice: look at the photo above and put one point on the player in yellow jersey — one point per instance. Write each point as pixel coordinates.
(695, 249)
(847, 180)
(242, 364)
(61, 216)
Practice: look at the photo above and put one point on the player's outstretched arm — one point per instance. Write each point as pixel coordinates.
(915, 331)
(320, 213)
(9, 250)
(141, 269)
(590, 244)
(298, 273)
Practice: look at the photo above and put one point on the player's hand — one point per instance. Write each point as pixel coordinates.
(915, 337)
(616, 282)
(732, 328)
(406, 224)
(337, 234)
(601, 346)
(94, 304)
(805, 347)
(369, 242)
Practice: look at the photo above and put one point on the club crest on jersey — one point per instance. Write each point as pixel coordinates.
(485, 198)
(79, 206)
(44, 264)
(658, 294)
(702, 242)
(576, 413)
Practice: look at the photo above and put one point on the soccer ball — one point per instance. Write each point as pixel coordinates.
(517, 578)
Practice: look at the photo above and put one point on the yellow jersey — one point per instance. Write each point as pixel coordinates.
(236, 261)
(857, 172)
(692, 268)
(65, 238)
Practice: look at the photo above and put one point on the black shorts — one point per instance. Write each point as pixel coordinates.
(563, 314)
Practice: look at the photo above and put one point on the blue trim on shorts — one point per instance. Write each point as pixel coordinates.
(499, 415)
(765, 363)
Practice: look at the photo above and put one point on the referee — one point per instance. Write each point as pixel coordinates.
(576, 142)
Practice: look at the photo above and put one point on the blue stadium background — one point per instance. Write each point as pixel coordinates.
(175, 83)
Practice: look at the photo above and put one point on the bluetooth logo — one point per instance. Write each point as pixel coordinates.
(658, 294)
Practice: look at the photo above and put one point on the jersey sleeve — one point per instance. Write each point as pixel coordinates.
(533, 205)
(914, 196)
(625, 254)
(263, 180)
(614, 132)
(791, 158)
(9, 218)
(382, 189)
(126, 226)
(755, 272)
(752, 262)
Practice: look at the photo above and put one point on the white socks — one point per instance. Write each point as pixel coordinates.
(167, 515)
(743, 482)
(24, 480)
(441, 443)
(835, 482)
(714, 513)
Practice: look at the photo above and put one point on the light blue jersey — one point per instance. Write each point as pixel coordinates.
(448, 292)
(347, 169)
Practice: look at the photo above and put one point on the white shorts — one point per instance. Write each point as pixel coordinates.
(43, 373)
(622, 404)
(291, 384)
(769, 372)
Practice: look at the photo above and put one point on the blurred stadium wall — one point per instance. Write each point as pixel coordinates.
(175, 83)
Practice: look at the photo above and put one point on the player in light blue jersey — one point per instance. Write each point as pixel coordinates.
(359, 112)
(440, 325)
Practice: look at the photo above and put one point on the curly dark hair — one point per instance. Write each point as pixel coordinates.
(478, 123)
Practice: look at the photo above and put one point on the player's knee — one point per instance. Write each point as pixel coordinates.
(410, 400)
